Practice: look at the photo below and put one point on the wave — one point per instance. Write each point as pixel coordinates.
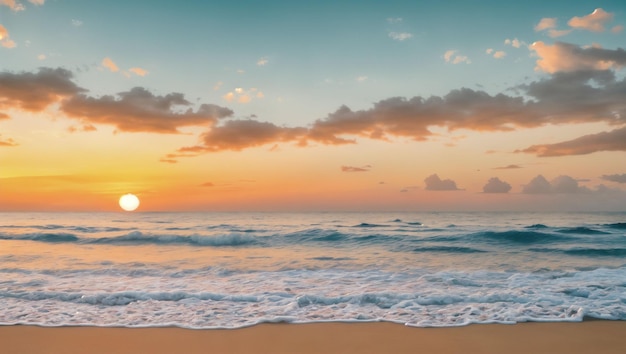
(139, 238)
(618, 225)
(518, 237)
(448, 249)
(585, 252)
(582, 230)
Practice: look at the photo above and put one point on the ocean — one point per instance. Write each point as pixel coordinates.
(230, 270)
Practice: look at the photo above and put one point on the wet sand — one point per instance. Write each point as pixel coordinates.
(583, 337)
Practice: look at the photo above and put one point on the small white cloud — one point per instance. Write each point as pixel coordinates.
(515, 43)
(5, 39)
(242, 95)
(77, 23)
(617, 29)
(450, 56)
(37, 2)
(41, 57)
(262, 61)
(217, 85)
(393, 20)
(361, 78)
(499, 54)
(240, 71)
(489, 51)
(400, 36)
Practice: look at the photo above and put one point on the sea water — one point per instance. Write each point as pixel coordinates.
(229, 270)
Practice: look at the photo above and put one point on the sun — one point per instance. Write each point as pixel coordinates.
(129, 202)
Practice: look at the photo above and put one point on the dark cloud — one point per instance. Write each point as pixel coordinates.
(495, 185)
(508, 167)
(434, 183)
(615, 178)
(355, 169)
(138, 110)
(33, 92)
(561, 184)
(538, 185)
(240, 134)
(614, 140)
(207, 184)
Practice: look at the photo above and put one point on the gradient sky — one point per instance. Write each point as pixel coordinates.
(280, 105)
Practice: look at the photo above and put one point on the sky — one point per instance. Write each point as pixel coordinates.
(313, 106)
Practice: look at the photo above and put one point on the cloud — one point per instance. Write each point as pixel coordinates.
(561, 184)
(241, 95)
(549, 24)
(207, 184)
(33, 92)
(495, 185)
(450, 56)
(558, 33)
(109, 64)
(434, 183)
(496, 54)
(614, 140)
(138, 71)
(262, 61)
(7, 142)
(41, 57)
(615, 178)
(545, 23)
(594, 22)
(361, 78)
(515, 43)
(85, 127)
(13, 5)
(508, 167)
(76, 23)
(5, 38)
(617, 29)
(239, 134)
(394, 20)
(569, 57)
(37, 2)
(355, 169)
(400, 36)
(138, 110)
(538, 185)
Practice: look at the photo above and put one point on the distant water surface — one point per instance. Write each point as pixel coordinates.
(228, 270)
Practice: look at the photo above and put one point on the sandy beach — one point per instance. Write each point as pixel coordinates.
(585, 337)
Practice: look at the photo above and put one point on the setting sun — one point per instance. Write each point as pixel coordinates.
(129, 202)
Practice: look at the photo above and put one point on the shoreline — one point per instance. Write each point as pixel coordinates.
(601, 336)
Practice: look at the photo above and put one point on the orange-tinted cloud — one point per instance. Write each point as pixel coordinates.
(614, 140)
(594, 22)
(110, 64)
(508, 167)
(138, 110)
(355, 169)
(33, 92)
(7, 142)
(12, 4)
(545, 23)
(138, 71)
(569, 57)
(5, 39)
